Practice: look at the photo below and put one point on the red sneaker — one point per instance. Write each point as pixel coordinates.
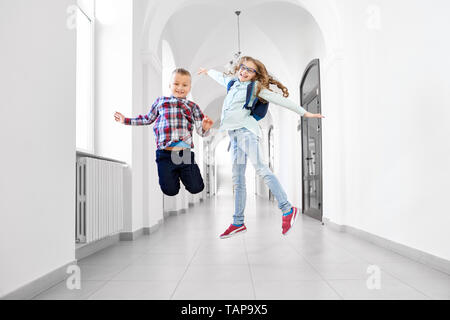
(233, 231)
(288, 221)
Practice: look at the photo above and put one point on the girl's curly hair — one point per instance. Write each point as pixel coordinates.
(262, 76)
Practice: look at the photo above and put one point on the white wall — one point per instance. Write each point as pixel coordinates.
(37, 101)
(396, 110)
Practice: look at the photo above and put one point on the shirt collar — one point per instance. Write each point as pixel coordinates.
(244, 82)
(182, 99)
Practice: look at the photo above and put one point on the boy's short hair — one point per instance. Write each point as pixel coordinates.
(182, 71)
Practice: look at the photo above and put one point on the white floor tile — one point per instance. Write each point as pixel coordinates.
(294, 290)
(413, 270)
(150, 273)
(215, 290)
(107, 257)
(61, 291)
(220, 258)
(164, 259)
(283, 273)
(435, 288)
(389, 290)
(212, 273)
(133, 290)
(346, 271)
(99, 272)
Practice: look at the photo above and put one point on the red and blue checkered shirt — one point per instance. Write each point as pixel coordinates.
(175, 119)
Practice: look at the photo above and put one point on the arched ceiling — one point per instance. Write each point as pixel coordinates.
(204, 34)
(156, 13)
(284, 36)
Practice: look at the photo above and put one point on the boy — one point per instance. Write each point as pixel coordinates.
(175, 117)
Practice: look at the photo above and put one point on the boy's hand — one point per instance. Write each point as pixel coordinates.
(313, 115)
(202, 71)
(119, 117)
(207, 123)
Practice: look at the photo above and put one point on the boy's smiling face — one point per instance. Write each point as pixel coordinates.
(180, 85)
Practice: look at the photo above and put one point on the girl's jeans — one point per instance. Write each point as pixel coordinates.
(245, 144)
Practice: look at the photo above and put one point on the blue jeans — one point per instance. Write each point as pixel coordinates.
(185, 169)
(245, 144)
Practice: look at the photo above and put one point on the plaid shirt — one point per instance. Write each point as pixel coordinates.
(174, 118)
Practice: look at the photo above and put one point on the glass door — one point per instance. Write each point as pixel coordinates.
(311, 142)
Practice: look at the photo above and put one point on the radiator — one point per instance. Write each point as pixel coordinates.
(99, 199)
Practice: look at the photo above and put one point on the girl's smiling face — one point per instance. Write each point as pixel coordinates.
(247, 71)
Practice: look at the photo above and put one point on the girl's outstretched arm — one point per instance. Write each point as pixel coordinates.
(278, 99)
(222, 79)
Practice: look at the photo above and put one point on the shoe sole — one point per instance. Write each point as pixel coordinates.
(292, 225)
(233, 235)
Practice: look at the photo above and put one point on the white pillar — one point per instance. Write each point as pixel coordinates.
(153, 196)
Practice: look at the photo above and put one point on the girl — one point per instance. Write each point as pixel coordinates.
(244, 134)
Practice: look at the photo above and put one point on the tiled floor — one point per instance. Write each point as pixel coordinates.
(185, 259)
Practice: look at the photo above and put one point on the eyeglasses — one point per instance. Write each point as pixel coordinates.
(243, 67)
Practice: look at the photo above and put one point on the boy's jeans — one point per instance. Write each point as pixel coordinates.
(245, 144)
(174, 166)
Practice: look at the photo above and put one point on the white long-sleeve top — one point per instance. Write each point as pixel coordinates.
(234, 116)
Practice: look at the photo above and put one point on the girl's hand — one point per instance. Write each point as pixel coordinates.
(207, 123)
(202, 71)
(313, 115)
(119, 117)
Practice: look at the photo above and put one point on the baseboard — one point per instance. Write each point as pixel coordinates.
(153, 229)
(32, 289)
(425, 258)
(172, 213)
(84, 250)
(131, 236)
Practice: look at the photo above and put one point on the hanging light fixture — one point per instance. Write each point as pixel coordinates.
(230, 65)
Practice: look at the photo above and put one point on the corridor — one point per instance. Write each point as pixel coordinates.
(355, 133)
(185, 259)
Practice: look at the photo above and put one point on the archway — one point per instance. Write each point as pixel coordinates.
(285, 54)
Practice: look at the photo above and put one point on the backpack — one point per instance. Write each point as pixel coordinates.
(258, 109)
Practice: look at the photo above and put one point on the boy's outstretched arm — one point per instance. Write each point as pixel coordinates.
(141, 120)
(207, 123)
(202, 123)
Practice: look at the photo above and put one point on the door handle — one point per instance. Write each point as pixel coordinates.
(309, 158)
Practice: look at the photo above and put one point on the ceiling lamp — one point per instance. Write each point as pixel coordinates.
(230, 65)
